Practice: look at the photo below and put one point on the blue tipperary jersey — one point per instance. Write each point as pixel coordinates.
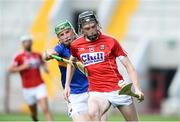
(79, 83)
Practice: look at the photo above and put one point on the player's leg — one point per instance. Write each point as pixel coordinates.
(33, 110)
(44, 106)
(78, 108)
(125, 105)
(129, 112)
(31, 101)
(80, 117)
(104, 117)
(41, 96)
(98, 105)
(76, 112)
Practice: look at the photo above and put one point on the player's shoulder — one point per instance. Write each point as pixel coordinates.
(106, 36)
(36, 54)
(59, 46)
(77, 41)
(18, 55)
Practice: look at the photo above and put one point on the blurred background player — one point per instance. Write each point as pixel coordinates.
(78, 100)
(28, 63)
(99, 57)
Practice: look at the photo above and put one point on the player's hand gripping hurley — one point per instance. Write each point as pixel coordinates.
(126, 90)
(78, 65)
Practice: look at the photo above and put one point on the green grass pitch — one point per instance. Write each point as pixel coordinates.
(64, 117)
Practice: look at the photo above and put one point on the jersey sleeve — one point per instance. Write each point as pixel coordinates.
(117, 50)
(58, 49)
(16, 60)
(40, 57)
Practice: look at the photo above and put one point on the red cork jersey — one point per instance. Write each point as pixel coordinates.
(31, 77)
(99, 57)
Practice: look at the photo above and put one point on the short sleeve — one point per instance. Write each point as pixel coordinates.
(58, 49)
(117, 50)
(16, 61)
(73, 51)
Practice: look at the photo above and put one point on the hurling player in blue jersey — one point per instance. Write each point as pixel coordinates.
(78, 100)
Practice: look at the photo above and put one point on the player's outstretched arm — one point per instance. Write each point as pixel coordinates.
(69, 75)
(15, 68)
(47, 54)
(133, 75)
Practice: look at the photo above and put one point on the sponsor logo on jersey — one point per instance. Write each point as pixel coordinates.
(32, 62)
(92, 58)
(81, 49)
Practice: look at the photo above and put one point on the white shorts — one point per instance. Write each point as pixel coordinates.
(32, 95)
(113, 97)
(78, 104)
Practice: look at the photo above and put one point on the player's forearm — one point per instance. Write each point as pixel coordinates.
(131, 72)
(11, 70)
(15, 69)
(70, 71)
(133, 76)
(69, 74)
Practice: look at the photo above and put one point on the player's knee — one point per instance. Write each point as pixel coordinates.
(93, 114)
(94, 109)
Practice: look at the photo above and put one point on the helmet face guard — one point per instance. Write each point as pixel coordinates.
(63, 26)
(85, 17)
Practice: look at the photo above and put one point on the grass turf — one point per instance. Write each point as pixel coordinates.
(63, 117)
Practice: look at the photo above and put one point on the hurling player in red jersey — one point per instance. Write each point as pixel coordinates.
(28, 63)
(98, 53)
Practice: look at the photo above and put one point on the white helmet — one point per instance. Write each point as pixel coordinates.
(25, 38)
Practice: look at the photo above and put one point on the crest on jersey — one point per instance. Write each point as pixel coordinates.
(91, 49)
(102, 47)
